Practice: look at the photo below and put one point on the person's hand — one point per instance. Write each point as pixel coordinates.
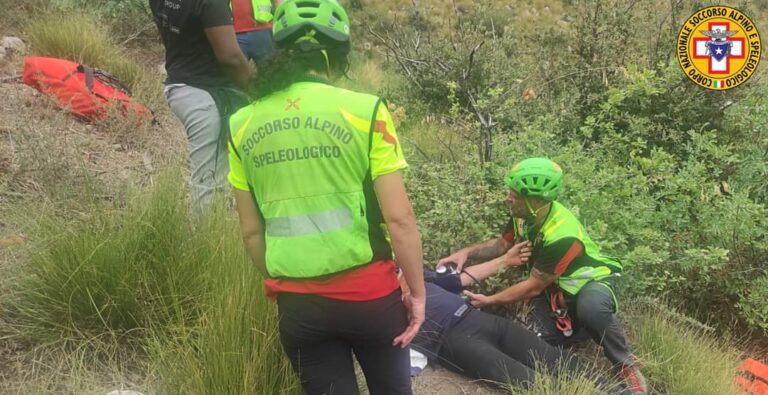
(416, 309)
(478, 300)
(458, 259)
(518, 255)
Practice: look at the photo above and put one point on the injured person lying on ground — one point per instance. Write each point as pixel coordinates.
(480, 345)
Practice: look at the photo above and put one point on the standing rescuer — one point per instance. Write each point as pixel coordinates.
(322, 228)
(253, 25)
(571, 281)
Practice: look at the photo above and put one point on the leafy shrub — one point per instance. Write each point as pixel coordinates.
(753, 304)
(455, 206)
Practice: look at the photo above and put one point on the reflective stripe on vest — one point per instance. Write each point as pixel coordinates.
(304, 152)
(579, 278)
(309, 224)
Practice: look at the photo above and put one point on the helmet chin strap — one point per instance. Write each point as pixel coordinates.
(533, 213)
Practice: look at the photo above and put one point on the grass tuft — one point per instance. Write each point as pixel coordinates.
(110, 275)
(589, 379)
(679, 358)
(146, 282)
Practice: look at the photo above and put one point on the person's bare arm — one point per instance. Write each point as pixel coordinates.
(228, 53)
(515, 256)
(531, 287)
(252, 229)
(406, 243)
(484, 251)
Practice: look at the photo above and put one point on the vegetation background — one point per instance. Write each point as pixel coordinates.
(108, 284)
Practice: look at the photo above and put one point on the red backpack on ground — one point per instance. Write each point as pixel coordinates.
(84, 91)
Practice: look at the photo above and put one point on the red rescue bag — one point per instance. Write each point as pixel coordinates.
(753, 377)
(84, 91)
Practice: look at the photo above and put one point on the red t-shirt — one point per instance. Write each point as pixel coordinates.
(372, 281)
(242, 17)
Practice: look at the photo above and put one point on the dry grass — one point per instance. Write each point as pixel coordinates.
(371, 74)
(430, 140)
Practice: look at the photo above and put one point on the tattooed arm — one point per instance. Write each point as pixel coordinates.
(537, 282)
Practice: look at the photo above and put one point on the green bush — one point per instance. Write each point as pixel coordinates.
(455, 206)
(666, 176)
(753, 304)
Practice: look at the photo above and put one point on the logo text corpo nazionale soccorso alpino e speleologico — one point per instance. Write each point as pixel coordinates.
(718, 47)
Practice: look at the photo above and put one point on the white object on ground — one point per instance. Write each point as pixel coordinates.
(418, 362)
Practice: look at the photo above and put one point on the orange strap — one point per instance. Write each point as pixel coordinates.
(560, 311)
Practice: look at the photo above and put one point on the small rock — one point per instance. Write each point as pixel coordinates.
(148, 163)
(13, 44)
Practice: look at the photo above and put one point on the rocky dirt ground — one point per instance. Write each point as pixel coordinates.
(440, 381)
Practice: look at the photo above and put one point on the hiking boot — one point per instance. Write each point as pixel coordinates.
(634, 380)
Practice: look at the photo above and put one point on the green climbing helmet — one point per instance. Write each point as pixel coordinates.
(310, 24)
(535, 177)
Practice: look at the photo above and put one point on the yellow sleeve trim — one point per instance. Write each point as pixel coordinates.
(362, 125)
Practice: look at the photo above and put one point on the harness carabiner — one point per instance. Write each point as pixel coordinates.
(560, 312)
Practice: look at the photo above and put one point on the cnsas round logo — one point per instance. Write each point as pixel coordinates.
(718, 47)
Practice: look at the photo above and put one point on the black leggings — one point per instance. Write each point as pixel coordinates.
(489, 347)
(319, 335)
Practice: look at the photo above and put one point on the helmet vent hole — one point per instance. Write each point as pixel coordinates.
(304, 4)
(546, 182)
(307, 15)
(335, 15)
(535, 180)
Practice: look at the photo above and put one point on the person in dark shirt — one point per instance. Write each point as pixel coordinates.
(205, 67)
(570, 280)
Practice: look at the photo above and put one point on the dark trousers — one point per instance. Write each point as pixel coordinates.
(593, 314)
(319, 336)
(489, 347)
